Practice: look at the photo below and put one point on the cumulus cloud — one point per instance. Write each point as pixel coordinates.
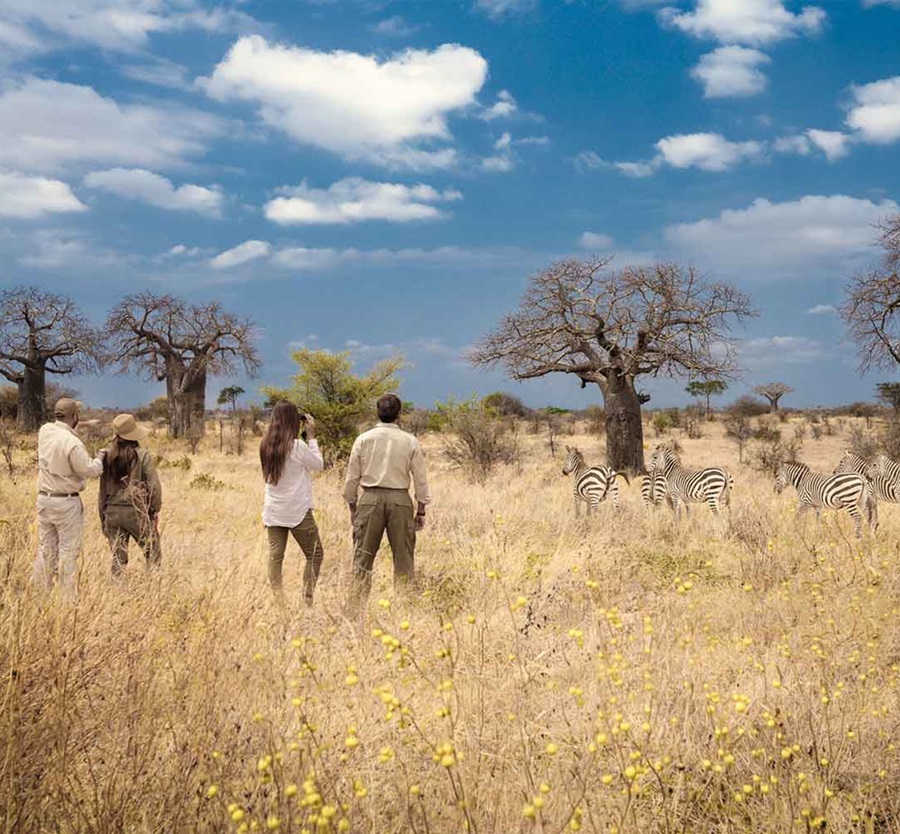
(832, 143)
(750, 22)
(122, 25)
(249, 250)
(875, 112)
(821, 310)
(45, 125)
(795, 238)
(27, 197)
(500, 8)
(390, 111)
(731, 71)
(503, 108)
(147, 187)
(595, 240)
(354, 200)
(394, 27)
(706, 151)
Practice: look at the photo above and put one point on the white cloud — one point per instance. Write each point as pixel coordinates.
(875, 113)
(796, 143)
(706, 151)
(394, 27)
(503, 108)
(637, 169)
(831, 142)
(147, 187)
(780, 350)
(821, 310)
(595, 240)
(30, 197)
(499, 8)
(773, 240)
(752, 22)
(159, 72)
(249, 250)
(301, 258)
(870, 3)
(123, 25)
(45, 125)
(391, 111)
(731, 71)
(354, 200)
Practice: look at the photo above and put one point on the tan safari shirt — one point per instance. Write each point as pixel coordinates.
(63, 462)
(386, 456)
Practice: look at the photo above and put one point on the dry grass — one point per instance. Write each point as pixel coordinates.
(623, 673)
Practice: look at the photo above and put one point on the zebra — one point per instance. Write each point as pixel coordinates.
(654, 490)
(847, 491)
(592, 483)
(885, 488)
(685, 486)
(886, 467)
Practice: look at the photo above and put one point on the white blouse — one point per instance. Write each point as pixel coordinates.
(287, 502)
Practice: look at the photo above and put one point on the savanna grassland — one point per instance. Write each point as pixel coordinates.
(623, 673)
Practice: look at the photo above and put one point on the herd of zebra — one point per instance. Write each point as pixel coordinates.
(855, 485)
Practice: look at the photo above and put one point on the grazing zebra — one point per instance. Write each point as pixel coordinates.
(592, 483)
(885, 488)
(847, 491)
(654, 490)
(690, 486)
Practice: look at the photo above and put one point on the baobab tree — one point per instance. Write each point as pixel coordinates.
(872, 303)
(773, 392)
(43, 333)
(610, 327)
(180, 344)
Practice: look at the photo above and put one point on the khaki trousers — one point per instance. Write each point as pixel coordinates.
(60, 531)
(306, 534)
(122, 523)
(381, 510)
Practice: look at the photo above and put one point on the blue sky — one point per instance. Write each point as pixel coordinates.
(383, 175)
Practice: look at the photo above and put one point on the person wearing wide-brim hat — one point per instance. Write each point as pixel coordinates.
(130, 494)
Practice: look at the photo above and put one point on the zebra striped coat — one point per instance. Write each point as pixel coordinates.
(847, 491)
(885, 488)
(886, 467)
(592, 483)
(654, 490)
(691, 486)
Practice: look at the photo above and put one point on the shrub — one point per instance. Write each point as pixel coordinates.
(479, 439)
(207, 482)
(748, 406)
(506, 405)
(863, 444)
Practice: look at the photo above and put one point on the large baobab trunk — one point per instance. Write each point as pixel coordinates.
(32, 408)
(624, 428)
(187, 403)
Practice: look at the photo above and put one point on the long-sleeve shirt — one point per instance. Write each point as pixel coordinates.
(287, 502)
(142, 489)
(63, 462)
(386, 456)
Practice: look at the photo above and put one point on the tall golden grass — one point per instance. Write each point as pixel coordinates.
(622, 673)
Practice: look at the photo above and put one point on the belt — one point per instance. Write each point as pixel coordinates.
(58, 494)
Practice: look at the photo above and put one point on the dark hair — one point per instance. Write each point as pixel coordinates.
(120, 459)
(389, 408)
(278, 440)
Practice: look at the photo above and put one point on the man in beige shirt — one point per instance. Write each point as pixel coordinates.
(382, 462)
(63, 466)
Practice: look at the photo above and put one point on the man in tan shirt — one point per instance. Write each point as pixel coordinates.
(63, 466)
(382, 462)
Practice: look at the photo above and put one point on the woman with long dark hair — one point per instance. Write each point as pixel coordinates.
(130, 495)
(287, 462)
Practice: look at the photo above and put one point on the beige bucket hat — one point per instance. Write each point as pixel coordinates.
(126, 427)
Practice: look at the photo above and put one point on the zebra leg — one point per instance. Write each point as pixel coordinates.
(614, 492)
(857, 519)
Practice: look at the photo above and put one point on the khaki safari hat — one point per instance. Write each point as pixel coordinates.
(126, 427)
(67, 407)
